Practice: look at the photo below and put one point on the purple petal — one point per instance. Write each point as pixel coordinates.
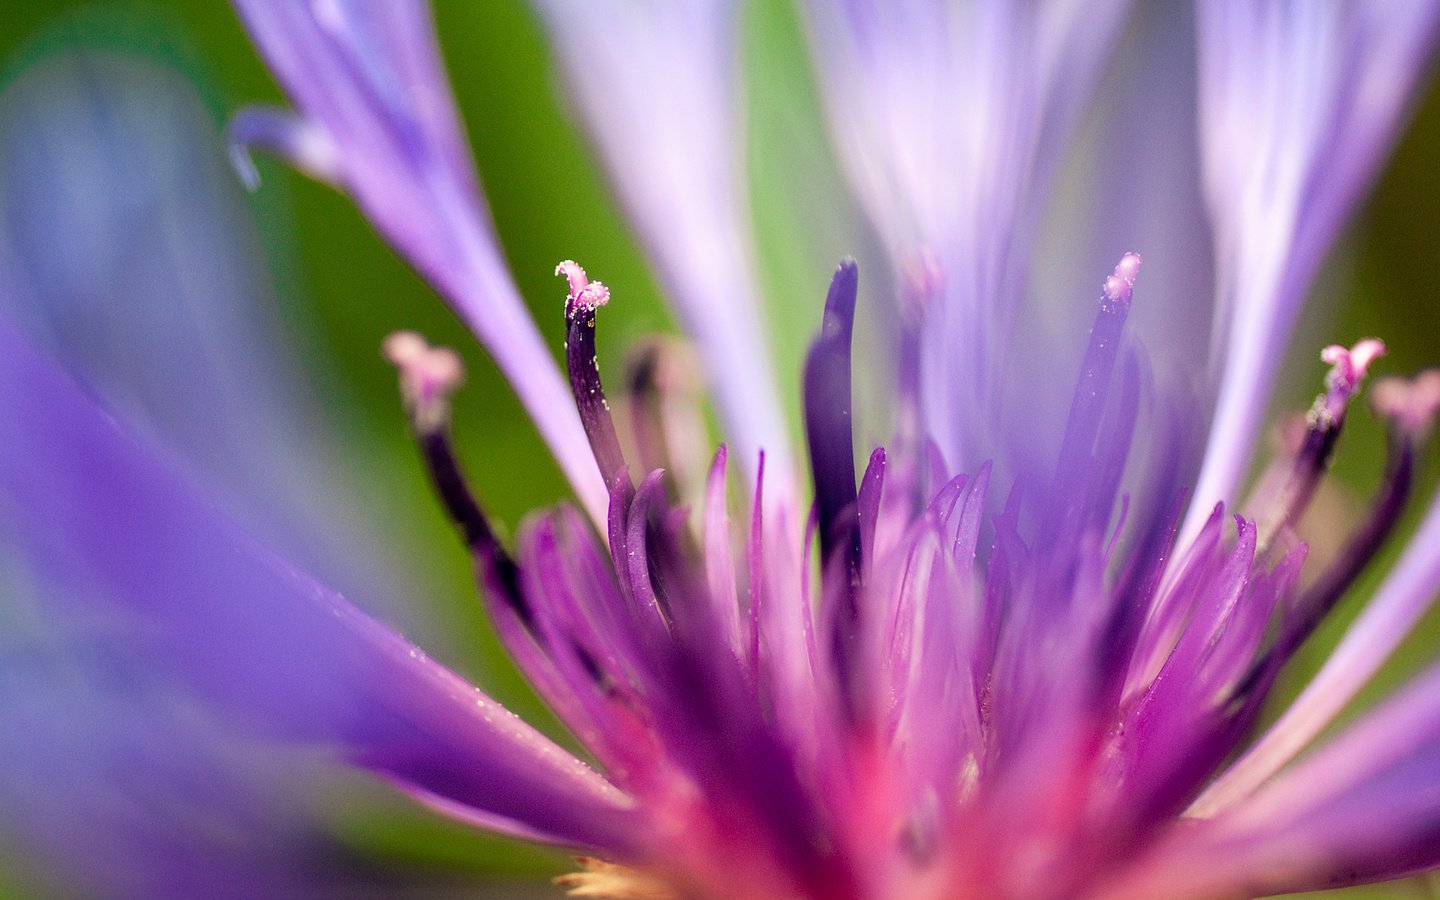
(1361, 808)
(369, 76)
(1299, 104)
(252, 634)
(1402, 599)
(656, 82)
(166, 800)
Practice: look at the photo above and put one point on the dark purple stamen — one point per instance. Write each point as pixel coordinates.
(827, 419)
(427, 377)
(1324, 423)
(583, 366)
(832, 461)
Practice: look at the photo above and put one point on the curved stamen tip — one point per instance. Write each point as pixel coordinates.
(1411, 405)
(585, 295)
(1119, 286)
(1348, 367)
(428, 376)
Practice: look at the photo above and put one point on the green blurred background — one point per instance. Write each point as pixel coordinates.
(341, 290)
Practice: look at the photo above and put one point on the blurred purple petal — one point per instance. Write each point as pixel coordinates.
(88, 506)
(1397, 606)
(129, 255)
(1299, 104)
(657, 83)
(950, 120)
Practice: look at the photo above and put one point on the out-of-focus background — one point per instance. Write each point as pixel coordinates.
(331, 290)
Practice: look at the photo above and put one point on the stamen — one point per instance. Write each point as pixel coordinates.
(615, 882)
(428, 376)
(1347, 370)
(663, 384)
(1092, 388)
(828, 429)
(1410, 407)
(1323, 425)
(585, 295)
(921, 280)
(827, 418)
(1128, 270)
(584, 368)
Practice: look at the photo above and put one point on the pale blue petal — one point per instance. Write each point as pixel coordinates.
(1130, 183)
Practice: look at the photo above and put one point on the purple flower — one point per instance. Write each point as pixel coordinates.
(1024, 650)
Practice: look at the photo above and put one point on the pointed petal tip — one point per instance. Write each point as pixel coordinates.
(300, 142)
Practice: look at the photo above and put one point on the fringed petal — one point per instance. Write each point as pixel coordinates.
(1402, 599)
(1364, 807)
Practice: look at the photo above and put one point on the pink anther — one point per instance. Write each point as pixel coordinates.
(428, 376)
(1348, 366)
(1119, 286)
(585, 295)
(1410, 404)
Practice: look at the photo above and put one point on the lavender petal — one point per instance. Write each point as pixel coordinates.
(1404, 596)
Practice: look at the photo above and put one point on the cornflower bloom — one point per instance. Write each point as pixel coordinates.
(1013, 655)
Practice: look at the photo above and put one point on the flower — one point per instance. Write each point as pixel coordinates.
(1014, 656)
